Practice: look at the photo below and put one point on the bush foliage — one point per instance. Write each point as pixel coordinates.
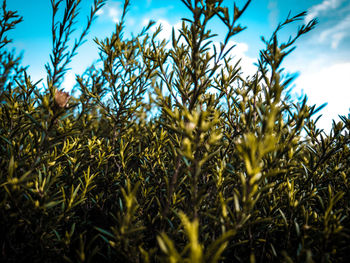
(168, 154)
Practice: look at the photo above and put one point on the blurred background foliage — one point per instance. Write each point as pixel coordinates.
(168, 154)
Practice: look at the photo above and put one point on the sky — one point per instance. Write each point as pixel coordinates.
(321, 60)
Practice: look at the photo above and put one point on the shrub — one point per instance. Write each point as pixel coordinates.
(238, 174)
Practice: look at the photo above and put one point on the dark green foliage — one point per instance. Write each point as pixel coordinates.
(188, 175)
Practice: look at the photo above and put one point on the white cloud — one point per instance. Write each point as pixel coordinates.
(166, 26)
(319, 9)
(69, 81)
(273, 15)
(247, 63)
(131, 21)
(238, 52)
(111, 10)
(330, 85)
(114, 14)
(336, 38)
(336, 33)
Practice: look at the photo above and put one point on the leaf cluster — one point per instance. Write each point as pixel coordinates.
(212, 166)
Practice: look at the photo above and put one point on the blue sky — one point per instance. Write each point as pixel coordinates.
(322, 57)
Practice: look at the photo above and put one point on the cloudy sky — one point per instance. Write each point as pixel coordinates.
(321, 60)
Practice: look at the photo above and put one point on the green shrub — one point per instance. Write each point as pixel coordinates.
(236, 175)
